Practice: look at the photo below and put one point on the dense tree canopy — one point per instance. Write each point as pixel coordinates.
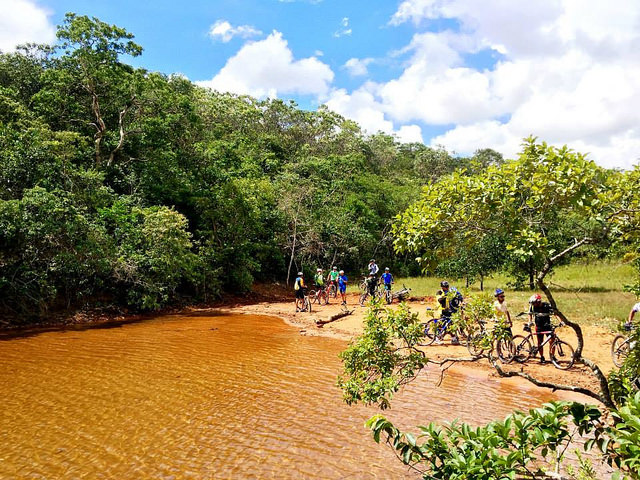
(120, 186)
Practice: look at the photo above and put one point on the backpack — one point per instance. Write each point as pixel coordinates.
(297, 284)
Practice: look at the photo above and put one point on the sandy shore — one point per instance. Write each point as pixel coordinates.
(597, 339)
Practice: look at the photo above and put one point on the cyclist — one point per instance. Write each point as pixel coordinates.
(450, 300)
(299, 288)
(541, 312)
(318, 279)
(371, 284)
(632, 313)
(332, 278)
(387, 279)
(342, 286)
(501, 311)
(373, 267)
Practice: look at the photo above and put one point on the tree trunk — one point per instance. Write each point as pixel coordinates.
(481, 283)
(532, 284)
(293, 247)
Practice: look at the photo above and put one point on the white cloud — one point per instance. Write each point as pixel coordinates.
(224, 31)
(410, 134)
(266, 68)
(344, 28)
(363, 107)
(358, 67)
(23, 21)
(568, 72)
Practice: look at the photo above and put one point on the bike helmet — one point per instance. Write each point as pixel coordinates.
(341, 272)
(300, 274)
(319, 270)
(535, 298)
(372, 261)
(444, 283)
(499, 291)
(334, 268)
(386, 269)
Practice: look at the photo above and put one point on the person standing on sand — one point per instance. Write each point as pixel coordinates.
(342, 286)
(332, 278)
(450, 300)
(501, 311)
(541, 312)
(299, 287)
(318, 279)
(373, 268)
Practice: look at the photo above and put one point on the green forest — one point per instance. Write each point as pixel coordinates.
(129, 188)
(125, 188)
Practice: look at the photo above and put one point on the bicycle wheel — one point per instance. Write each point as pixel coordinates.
(521, 348)
(619, 350)
(562, 354)
(307, 304)
(313, 295)
(430, 332)
(388, 297)
(475, 344)
(333, 291)
(299, 304)
(506, 350)
(363, 298)
(324, 298)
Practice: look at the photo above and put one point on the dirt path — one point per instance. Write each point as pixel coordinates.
(597, 339)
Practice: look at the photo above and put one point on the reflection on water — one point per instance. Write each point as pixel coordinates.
(227, 396)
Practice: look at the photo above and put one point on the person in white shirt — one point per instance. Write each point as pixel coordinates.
(632, 313)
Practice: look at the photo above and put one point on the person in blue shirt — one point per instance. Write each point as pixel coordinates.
(342, 286)
(387, 279)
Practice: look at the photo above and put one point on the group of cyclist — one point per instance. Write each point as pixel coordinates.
(335, 277)
(339, 279)
(450, 300)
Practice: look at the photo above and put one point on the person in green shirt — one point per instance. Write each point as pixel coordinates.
(332, 278)
(318, 279)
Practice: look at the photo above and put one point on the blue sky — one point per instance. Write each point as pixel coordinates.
(458, 73)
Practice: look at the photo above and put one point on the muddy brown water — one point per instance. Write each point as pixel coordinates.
(216, 396)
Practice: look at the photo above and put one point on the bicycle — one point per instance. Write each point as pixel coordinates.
(487, 340)
(365, 295)
(621, 346)
(436, 329)
(401, 294)
(303, 304)
(332, 290)
(319, 296)
(562, 354)
(388, 296)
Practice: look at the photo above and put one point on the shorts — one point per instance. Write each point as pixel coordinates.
(343, 289)
(544, 326)
(387, 286)
(300, 293)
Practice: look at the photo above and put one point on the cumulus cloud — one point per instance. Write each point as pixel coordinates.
(22, 21)
(357, 67)
(567, 71)
(224, 31)
(267, 68)
(363, 107)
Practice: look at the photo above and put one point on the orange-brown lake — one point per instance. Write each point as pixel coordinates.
(200, 397)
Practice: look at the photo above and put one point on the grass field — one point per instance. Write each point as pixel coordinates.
(590, 292)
